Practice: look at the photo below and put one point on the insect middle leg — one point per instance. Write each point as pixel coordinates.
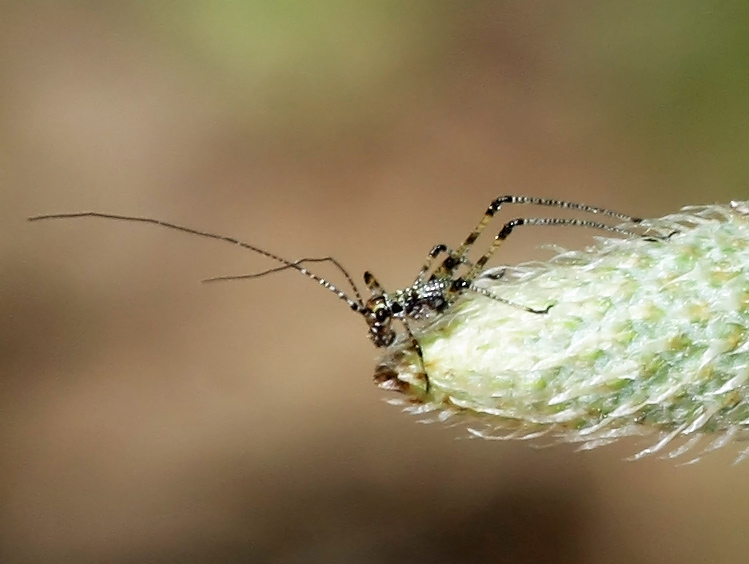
(452, 261)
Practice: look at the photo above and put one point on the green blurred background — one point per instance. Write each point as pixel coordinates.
(145, 417)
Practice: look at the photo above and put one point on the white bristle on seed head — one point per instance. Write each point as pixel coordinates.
(644, 336)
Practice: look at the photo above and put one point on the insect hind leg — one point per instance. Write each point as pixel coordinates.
(458, 257)
(510, 226)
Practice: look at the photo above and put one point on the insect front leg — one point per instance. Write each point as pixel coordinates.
(388, 378)
(416, 347)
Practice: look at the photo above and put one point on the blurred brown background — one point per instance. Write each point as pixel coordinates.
(145, 417)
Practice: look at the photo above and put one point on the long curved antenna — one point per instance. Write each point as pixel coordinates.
(355, 305)
(286, 267)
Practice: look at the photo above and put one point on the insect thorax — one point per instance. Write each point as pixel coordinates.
(423, 300)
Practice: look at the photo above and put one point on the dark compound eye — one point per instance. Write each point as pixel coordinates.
(382, 314)
(396, 308)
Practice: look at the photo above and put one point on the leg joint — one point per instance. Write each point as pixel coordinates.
(441, 248)
(508, 227)
(496, 204)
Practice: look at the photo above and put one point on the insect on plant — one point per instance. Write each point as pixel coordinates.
(433, 291)
(646, 332)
